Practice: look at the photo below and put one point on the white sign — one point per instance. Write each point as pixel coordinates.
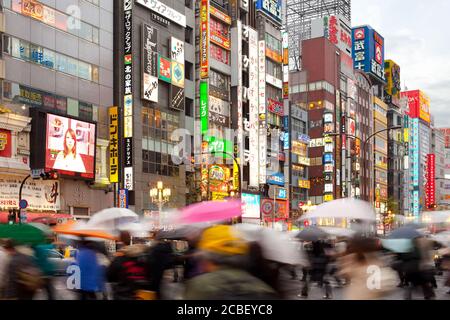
(253, 104)
(177, 50)
(262, 112)
(219, 106)
(274, 81)
(129, 183)
(150, 88)
(328, 188)
(41, 194)
(164, 10)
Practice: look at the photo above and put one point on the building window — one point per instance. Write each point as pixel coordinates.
(274, 69)
(57, 19)
(188, 69)
(189, 107)
(188, 33)
(219, 54)
(47, 58)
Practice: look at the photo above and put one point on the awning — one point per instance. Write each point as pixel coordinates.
(53, 218)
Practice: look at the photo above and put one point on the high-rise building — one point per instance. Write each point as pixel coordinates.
(155, 93)
(445, 192)
(57, 83)
(438, 155)
(419, 149)
(300, 15)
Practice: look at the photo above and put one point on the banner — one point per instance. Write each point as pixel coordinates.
(5, 143)
(40, 194)
(204, 39)
(149, 63)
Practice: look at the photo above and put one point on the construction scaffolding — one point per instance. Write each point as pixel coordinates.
(300, 13)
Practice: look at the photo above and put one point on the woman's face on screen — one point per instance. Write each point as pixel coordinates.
(70, 142)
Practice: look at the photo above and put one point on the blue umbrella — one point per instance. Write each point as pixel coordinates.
(404, 233)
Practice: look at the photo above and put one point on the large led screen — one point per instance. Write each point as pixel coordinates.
(70, 146)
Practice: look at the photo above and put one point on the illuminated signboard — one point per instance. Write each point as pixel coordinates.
(204, 110)
(251, 206)
(220, 15)
(419, 104)
(272, 8)
(431, 177)
(275, 107)
(276, 179)
(281, 193)
(5, 143)
(262, 156)
(204, 39)
(165, 69)
(393, 86)
(368, 52)
(304, 184)
(113, 145)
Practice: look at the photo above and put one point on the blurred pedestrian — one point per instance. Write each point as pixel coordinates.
(23, 276)
(91, 272)
(317, 271)
(224, 261)
(129, 272)
(359, 264)
(4, 261)
(41, 253)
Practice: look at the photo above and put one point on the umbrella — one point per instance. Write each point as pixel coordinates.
(405, 233)
(398, 245)
(23, 234)
(343, 208)
(436, 217)
(312, 234)
(136, 229)
(112, 218)
(276, 246)
(82, 230)
(339, 232)
(211, 211)
(182, 232)
(443, 238)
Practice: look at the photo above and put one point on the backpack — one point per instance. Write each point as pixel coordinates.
(30, 278)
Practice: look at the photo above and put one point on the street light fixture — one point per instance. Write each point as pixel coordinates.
(160, 196)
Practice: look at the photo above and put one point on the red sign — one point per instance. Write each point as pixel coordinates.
(281, 208)
(430, 197)
(204, 39)
(378, 53)
(276, 107)
(360, 34)
(5, 143)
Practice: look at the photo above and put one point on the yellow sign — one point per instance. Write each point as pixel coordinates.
(113, 144)
(424, 107)
(304, 184)
(328, 198)
(236, 175)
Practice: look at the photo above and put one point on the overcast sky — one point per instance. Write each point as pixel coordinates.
(417, 38)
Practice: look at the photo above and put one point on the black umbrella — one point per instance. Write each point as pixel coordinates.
(404, 233)
(312, 234)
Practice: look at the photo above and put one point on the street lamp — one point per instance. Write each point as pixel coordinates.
(160, 196)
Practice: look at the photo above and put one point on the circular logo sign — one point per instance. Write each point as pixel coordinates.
(267, 208)
(23, 204)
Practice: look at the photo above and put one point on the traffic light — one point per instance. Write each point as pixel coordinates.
(12, 216)
(51, 175)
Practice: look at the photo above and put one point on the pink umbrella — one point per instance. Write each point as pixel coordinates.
(211, 211)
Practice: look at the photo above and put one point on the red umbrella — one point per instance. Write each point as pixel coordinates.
(211, 211)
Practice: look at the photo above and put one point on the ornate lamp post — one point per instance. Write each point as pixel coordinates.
(160, 196)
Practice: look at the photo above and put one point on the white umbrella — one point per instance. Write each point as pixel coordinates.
(339, 232)
(443, 238)
(436, 217)
(343, 208)
(136, 229)
(277, 246)
(112, 218)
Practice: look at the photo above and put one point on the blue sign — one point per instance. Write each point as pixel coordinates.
(286, 123)
(304, 138)
(276, 179)
(287, 144)
(281, 193)
(328, 158)
(23, 204)
(368, 51)
(123, 198)
(272, 8)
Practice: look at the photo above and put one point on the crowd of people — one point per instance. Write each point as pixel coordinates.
(218, 264)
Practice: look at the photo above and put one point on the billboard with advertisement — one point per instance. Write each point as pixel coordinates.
(393, 86)
(419, 104)
(177, 74)
(334, 28)
(70, 146)
(204, 107)
(165, 69)
(368, 52)
(114, 144)
(177, 50)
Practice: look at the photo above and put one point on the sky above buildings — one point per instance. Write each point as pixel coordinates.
(416, 38)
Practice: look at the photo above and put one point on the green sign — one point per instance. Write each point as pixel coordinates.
(165, 69)
(204, 107)
(220, 147)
